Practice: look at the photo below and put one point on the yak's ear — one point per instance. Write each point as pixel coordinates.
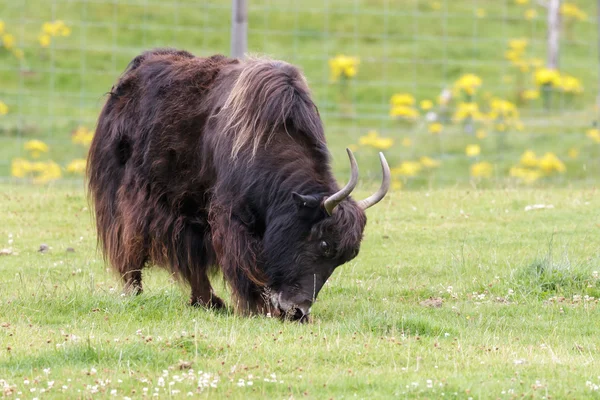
(302, 200)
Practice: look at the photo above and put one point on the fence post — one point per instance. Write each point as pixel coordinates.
(553, 33)
(239, 28)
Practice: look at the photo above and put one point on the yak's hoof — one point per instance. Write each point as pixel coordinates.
(214, 303)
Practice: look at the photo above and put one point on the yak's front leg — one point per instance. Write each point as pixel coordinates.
(238, 254)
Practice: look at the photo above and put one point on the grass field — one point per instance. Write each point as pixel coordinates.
(456, 294)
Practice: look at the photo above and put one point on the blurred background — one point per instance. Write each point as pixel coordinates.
(455, 92)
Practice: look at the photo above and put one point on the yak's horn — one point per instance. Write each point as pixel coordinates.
(383, 189)
(332, 201)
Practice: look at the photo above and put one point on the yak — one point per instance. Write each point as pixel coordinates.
(201, 164)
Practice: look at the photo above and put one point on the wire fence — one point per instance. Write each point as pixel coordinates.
(451, 90)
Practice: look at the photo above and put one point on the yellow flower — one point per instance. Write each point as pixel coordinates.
(18, 53)
(570, 84)
(44, 40)
(545, 76)
(429, 162)
(468, 83)
(481, 134)
(500, 127)
(503, 108)
(550, 163)
(435, 128)
(20, 167)
(529, 159)
(406, 142)
(50, 173)
(402, 99)
(83, 136)
(426, 105)
(593, 134)
(530, 14)
(482, 170)
(480, 13)
(521, 2)
(8, 41)
(467, 110)
(436, 5)
(473, 150)
(374, 140)
(571, 10)
(526, 175)
(573, 152)
(1, 27)
(407, 168)
(518, 45)
(512, 55)
(530, 94)
(3, 108)
(343, 66)
(77, 166)
(36, 148)
(396, 185)
(404, 112)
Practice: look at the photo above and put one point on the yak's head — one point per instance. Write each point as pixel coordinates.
(303, 247)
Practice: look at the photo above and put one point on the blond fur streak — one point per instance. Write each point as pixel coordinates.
(263, 84)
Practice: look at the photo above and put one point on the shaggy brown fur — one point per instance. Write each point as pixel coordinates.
(200, 162)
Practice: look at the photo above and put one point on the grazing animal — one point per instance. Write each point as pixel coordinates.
(199, 164)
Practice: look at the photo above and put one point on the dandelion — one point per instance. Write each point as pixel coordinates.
(435, 128)
(525, 174)
(36, 148)
(343, 66)
(530, 14)
(404, 112)
(77, 166)
(20, 168)
(436, 5)
(521, 2)
(407, 168)
(570, 10)
(468, 83)
(518, 45)
(593, 134)
(44, 40)
(573, 152)
(480, 13)
(8, 41)
(402, 99)
(426, 105)
(472, 150)
(1, 27)
(429, 162)
(551, 163)
(467, 111)
(83, 136)
(529, 159)
(570, 84)
(3, 108)
(396, 185)
(482, 170)
(546, 76)
(374, 140)
(530, 94)
(50, 173)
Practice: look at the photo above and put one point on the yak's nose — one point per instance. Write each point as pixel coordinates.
(302, 311)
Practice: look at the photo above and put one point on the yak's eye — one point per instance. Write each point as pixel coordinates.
(325, 247)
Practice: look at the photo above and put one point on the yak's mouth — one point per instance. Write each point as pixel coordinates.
(290, 311)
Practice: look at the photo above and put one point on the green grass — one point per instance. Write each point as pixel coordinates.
(514, 321)
(404, 46)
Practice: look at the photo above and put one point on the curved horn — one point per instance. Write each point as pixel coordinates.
(332, 201)
(383, 189)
